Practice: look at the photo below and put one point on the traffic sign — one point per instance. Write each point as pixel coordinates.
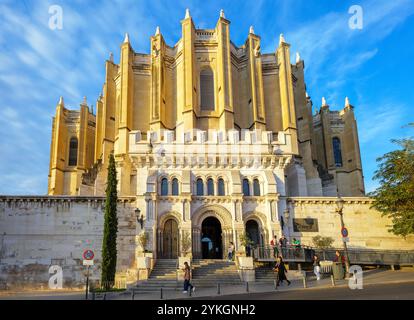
(88, 254)
(88, 262)
(344, 232)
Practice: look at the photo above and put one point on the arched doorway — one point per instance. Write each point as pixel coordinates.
(211, 240)
(170, 240)
(252, 229)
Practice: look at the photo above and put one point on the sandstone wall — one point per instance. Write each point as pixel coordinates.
(367, 228)
(38, 232)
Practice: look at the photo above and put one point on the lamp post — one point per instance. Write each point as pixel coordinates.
(340, 207)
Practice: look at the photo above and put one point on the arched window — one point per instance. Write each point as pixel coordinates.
(164, 187)
(207, 89)
(174, 186)
(246, 187)
(256, 187)
(220, 187)
(200, 187)
(73, 151)
(337, 151)
(210, 187)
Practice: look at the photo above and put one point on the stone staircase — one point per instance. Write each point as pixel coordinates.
(206, 273)
(164, 275)
(209, 272)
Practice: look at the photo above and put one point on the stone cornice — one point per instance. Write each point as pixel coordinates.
(212, 199)
(61, 199)
(328, 200)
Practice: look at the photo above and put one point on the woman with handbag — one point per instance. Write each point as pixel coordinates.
(281, 271)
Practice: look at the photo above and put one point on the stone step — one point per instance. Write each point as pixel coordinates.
(217, 278)
(214, 267)
(158, 284)
(206, 273)
(202, 271)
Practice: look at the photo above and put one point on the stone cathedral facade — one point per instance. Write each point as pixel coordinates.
(210, 139)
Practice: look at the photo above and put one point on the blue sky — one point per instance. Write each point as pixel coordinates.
(372, 66)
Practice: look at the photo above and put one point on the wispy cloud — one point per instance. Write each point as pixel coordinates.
(37, 65)
(377, 123)
(332, 50)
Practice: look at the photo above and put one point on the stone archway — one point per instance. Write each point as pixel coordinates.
(252, 229)
(211, 239)
(260, 221)
(224, 219)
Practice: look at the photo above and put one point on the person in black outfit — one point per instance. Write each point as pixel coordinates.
(280, 268)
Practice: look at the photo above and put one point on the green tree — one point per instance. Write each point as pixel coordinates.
(185, 243)
(246, 242)
(322, 243)
(395, 196)
(109, 252)
(143, 240)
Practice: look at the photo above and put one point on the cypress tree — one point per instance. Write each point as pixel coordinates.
(110, 228)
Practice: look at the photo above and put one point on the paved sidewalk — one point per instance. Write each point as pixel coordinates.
(376, 276)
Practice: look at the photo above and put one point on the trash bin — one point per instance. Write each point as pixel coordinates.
(338, 270)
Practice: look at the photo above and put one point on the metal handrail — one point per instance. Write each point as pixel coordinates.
(356, 255)
(288, 252)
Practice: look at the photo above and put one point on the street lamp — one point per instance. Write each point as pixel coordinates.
(340, 206)
(140, 220)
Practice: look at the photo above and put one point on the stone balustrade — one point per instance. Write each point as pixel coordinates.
(244, 146)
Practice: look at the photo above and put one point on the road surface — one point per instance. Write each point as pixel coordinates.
(393, 291)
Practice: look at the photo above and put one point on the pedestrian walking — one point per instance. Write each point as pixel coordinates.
(230, 251)
(317, 267)
(281, 270)
(187, 278)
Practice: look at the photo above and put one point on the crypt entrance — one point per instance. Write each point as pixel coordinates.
(212, 232)
(211, 239)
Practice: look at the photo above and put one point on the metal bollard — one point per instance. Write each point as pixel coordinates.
(218, 288)
(247, 286)
(161, 296)
(275, 284)
(333, 281)
(104, 297)
(133, 295)
(304, 282)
